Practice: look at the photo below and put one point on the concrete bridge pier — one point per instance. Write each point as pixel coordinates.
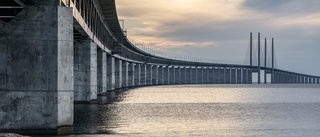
(102, 72)
(228, 76)
(249, 76)
(160, 75)
(36, 71)
(137, 74)
(211, 75)
(233, 76)
(131, 74)
(171, 75)
(216, 75)
(155, 75)
(244, 76)
(110, 72)
(85, 71)
(239, 76)
(183, 75)
(188, 75)
(199, 75)
(118, 73)
(177, 75)
(194, 75)
(223, 76)
(205, 75)
(143, 78)
(166, 74)
(124, 74)
(149, 74)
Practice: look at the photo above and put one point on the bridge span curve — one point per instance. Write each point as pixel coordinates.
(55, 53)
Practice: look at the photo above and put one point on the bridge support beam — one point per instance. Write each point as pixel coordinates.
(85, 71)
(160, 75)
(36, 71)
(183, 75)
(222, 73)
(110, 72)
(188, 75)
(118, 73)
(143, 78)
(210, 75)
(137, 74)
(194, 75)
(233, 76)
(166, 74)
(131, 74)
(171, 75)
(177, 75)
(228, 76)
(205, 75)
(124, 74)
(216, 76)
(102, 72)
(155, 75)
(239, 76)
(149, 74)
(249, 76)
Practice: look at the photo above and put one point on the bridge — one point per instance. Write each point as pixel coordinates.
(54, 53)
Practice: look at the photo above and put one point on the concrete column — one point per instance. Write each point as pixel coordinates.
(149, 74)
(137, 75)
(118, 73)
(172, 75)
(276, 77)
(249, 76)
(216, 75)
(160, 75)
(143, 73)
(313, 80)
(239, 76)
(245, 76)
(37, 71)
(131, 74)
(177, 75)
(194, 75)
(222, 73)
(205, 75)
(233, 77)
(124, 73)
(298, 79)
(200, 75)
(102, 72)
(182, 75)
(309, 80)
(110, 72)
(85, 78)
(166, 75)
(155, 75)
(210, 75)
(188, 75)
(228, 75)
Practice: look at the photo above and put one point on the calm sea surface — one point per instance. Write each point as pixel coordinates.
(205, 110)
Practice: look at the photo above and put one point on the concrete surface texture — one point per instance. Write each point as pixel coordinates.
(37, 67)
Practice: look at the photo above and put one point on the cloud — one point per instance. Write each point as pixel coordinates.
(215, 28)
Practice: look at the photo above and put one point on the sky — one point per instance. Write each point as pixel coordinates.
(219, 30)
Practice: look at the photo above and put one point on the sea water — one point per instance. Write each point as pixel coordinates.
(204, 110)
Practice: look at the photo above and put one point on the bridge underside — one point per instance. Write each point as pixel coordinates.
(50, 57)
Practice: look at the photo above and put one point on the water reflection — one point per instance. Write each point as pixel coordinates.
(205, 110)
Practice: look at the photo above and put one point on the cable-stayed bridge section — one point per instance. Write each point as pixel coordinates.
(54, 53)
